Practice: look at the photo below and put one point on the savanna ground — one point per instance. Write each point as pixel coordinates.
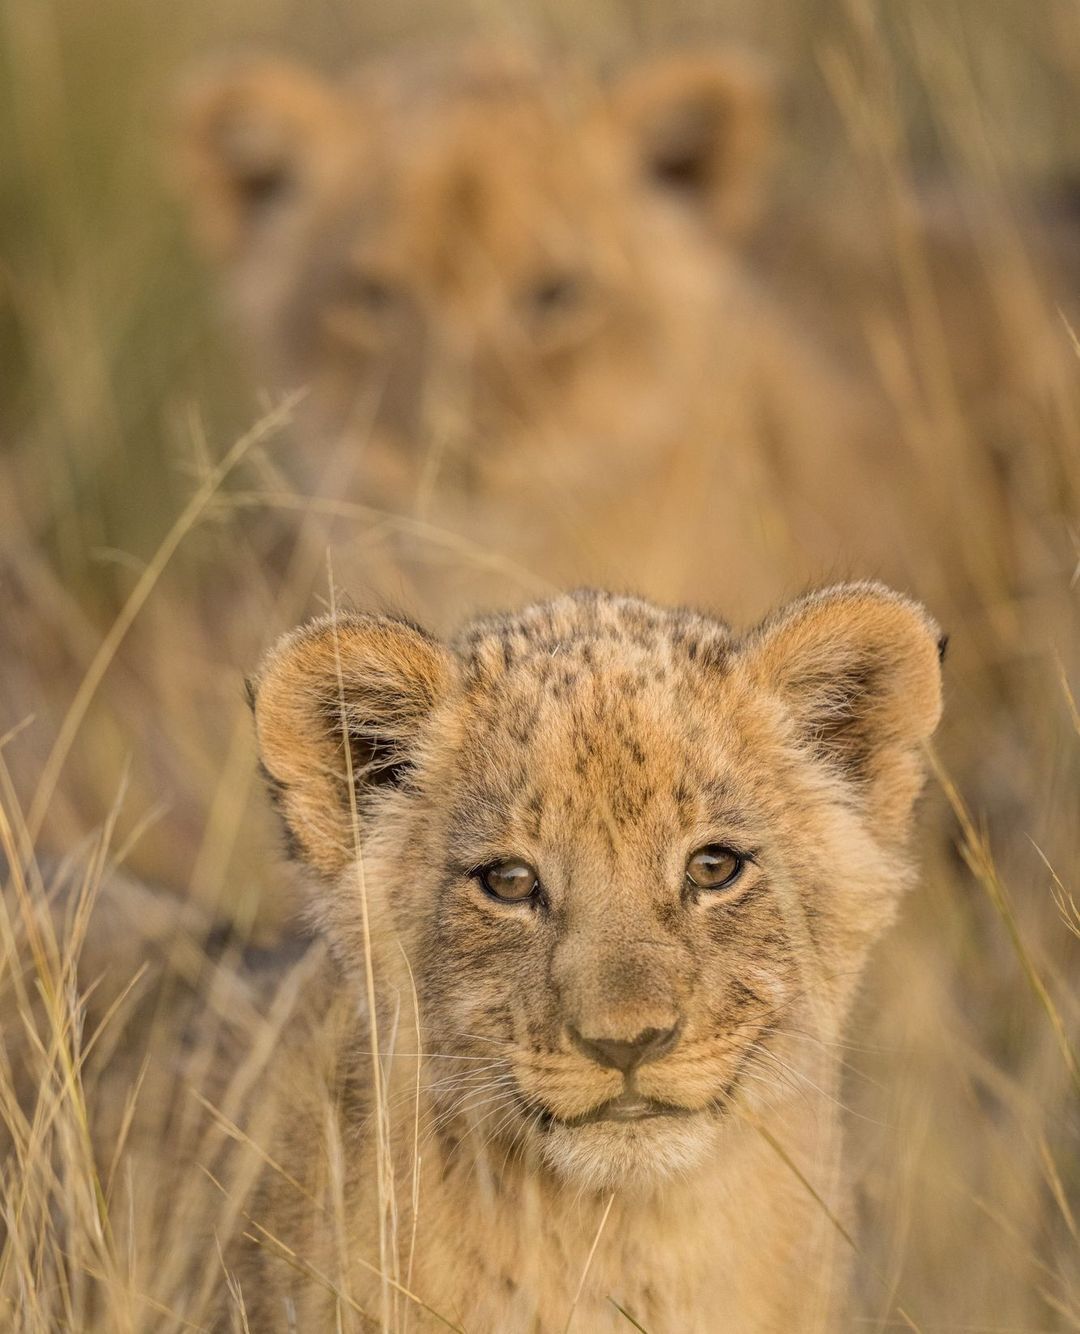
(123, 731)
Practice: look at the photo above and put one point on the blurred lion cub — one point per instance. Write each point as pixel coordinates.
(608, 874)
(518, 296)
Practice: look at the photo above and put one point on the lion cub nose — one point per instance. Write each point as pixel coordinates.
(649, 1045)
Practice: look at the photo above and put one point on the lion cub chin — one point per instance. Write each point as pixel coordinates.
(597, 881)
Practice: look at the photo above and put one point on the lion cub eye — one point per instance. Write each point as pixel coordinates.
(371, 292)
(556, 294)
(714, 867)
(511, 881)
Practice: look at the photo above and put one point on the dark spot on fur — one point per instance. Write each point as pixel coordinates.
(669, 913)
(450, 1144)
(714, 657)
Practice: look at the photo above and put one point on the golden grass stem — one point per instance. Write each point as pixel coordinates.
(189, 516)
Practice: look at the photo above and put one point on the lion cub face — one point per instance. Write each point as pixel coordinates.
(635, 861)
(451, 255)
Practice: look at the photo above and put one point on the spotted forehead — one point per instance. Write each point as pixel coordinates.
(612, 637)
(588, 709)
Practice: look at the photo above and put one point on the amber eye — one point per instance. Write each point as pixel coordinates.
(714, 867)
(510, 881)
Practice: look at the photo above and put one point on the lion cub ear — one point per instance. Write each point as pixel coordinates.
(342, 701)
(252, 134)
(858, 668)
(702, 126)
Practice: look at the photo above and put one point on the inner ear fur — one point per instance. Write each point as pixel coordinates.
(858, 668)
(344, 697)
(702, 130)
(252, 133)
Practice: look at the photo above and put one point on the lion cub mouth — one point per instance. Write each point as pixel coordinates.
(627, 1106)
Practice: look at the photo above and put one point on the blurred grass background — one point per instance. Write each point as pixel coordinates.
(107, 334)
(118, 384)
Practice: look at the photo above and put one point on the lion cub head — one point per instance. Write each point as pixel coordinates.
(634, 860)
(453, 252)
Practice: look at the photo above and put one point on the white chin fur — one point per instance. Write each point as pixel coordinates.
(615, 1155)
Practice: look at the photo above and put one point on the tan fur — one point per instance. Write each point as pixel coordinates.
(475, 247)
(518, 297)
(602, 739)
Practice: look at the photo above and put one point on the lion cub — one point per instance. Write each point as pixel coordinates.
(603, 876)
(520, 299)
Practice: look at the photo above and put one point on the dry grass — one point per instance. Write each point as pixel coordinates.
(125, 535)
